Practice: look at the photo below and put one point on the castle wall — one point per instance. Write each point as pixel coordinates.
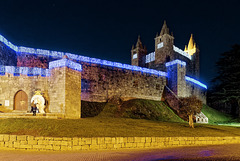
(10, 85)
(162, 55)
(57, 89)
(189, 64)
(100, 83)
(61, 89)
(7, 55)
(188, 89)
(196, 90)
(65, 92)
(72, 93)
(176, 79)
(27, 60)
(179, 85)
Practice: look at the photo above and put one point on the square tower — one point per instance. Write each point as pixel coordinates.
(138, 54)
(176, 71)
(65, 88)
(163, 49)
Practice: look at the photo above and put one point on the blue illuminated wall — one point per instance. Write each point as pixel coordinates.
(182, 85)
(7, 55)
(10, 52)
(12, 56)
(17, 71)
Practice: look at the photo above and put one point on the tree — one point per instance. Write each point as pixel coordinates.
(226, 89)
(190, 106)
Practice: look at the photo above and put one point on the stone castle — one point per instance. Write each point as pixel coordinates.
(59, 81)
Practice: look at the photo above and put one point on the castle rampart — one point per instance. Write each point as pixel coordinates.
(100, 83)
(64, 82)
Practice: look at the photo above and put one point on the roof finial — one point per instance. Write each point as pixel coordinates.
(139, 38)
(165, 29)
(139, 43)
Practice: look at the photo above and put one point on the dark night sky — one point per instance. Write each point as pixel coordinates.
(107, 29)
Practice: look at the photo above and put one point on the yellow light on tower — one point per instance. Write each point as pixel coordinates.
(191, 48)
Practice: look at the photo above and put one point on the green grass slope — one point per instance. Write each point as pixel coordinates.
(148, 109)
(216, 117)
(110, 127)
(109, 123)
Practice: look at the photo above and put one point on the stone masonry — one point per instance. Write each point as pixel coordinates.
(64, 85)
(61, 89)
(101, 83)
(25, 142)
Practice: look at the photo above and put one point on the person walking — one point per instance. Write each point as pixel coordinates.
(33, 108)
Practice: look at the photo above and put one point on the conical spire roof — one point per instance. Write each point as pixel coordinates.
(139, 43)
(165, 29)
(191, 43)
(191, 48)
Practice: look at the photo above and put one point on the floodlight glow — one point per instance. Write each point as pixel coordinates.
(65, 63)
(135, 56)
(10, 69)
(150, 57)
(57, 54)
(26, 50)
(177, 61)
(160, 45)
(8, 43)
(176, 49)
(23, 70)
(195, 81)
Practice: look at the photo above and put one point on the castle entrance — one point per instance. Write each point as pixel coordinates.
(21, 101)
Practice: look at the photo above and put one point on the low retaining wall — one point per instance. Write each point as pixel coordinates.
(25, 142)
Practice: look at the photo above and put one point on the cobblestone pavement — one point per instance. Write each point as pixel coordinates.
(217, 152)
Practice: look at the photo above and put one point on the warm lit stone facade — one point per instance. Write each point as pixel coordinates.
(65, 79)
(61, 90)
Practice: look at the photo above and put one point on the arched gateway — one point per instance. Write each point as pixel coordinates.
(21, 101)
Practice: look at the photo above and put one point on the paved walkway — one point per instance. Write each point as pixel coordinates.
(219, 152)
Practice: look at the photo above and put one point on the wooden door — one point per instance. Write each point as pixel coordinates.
(21, 101)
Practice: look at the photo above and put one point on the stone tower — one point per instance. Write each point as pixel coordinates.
(163, 48)
(194, 51)
(176, 71)
(138, 54)
(65, 88)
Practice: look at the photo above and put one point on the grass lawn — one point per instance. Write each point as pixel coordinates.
(108, 124)
(216, 117)
(112, 127)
